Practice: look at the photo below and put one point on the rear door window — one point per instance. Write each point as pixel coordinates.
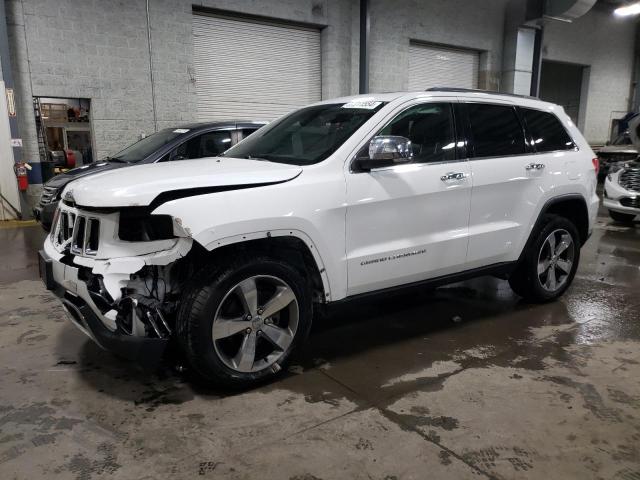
(496, 130)
(546, 132)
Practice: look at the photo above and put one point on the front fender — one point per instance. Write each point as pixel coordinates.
(313, 212)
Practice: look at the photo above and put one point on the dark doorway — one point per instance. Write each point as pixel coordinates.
(562, 83)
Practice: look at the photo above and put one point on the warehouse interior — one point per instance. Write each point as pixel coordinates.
(456, 380)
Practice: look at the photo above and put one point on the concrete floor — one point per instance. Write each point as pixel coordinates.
(462, 382)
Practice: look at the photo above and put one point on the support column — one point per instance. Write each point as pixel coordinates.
(634, 97)
(521, 68)
(13, 202)
(537, 62)
(365, 25)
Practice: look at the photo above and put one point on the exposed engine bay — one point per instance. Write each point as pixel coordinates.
(132, 263)
(147, 305)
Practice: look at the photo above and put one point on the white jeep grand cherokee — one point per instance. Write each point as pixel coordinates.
(230, 256)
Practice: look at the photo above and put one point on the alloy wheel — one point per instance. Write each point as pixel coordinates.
(255, 323)
(555, 260)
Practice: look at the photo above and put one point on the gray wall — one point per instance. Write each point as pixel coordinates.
(99, 50)
(96, 50)
(605, 43)
(460, 23)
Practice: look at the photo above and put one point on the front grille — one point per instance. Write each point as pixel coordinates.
(81, 234)
(630, 202)
(49, 195)
(630, 179)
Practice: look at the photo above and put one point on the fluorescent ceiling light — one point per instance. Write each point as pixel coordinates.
(633, 9)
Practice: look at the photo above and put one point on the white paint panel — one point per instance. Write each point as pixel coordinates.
(436, 66)
(252, 69)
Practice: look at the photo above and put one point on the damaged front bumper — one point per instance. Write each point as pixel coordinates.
(66, 276)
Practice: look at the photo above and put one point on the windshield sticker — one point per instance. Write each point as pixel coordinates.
(181, 130)
(366, 103)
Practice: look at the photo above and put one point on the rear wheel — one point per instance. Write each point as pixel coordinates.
(622, 217)
(239, 325)
(550, 262)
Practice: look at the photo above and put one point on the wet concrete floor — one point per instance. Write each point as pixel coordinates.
(462, 382)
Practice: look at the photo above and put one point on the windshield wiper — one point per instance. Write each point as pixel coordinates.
(260, 159)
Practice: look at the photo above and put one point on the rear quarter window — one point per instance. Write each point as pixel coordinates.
(546, 131)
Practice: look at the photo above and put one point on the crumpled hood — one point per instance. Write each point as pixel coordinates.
(141, 184)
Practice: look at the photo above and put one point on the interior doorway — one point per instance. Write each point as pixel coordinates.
(64, 132)
(563, 84)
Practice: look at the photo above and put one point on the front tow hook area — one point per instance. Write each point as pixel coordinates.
(146, 352)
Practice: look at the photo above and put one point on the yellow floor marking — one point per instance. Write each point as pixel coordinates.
(18, 223)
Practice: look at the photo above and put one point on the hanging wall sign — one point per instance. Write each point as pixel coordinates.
(11, 102)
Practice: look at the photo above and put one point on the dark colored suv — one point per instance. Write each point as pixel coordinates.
(197, 140)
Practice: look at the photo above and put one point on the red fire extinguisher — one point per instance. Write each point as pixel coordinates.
(71, 158)
(21, 173)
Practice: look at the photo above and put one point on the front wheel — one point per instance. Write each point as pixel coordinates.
(550, 262)
(622, 217)
(239, 324)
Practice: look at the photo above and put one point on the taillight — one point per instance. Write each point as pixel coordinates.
(596, 164)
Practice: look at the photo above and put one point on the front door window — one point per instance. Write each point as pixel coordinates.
(430, 129)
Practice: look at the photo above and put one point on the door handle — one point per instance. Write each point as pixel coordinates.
(453, 176)
(535, 166)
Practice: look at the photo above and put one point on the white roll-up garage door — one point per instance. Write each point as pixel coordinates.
(248, 69)
(436, 66)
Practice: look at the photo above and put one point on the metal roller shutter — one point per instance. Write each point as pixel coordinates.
(436, 66)
(253, 69)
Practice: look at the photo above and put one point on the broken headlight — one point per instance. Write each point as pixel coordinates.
(140, 226)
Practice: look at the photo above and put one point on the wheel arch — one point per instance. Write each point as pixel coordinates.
(570, 206)
(291, 245)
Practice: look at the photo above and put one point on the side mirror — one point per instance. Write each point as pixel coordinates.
(386, 151)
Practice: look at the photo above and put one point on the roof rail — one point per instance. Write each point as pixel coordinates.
(477, 90)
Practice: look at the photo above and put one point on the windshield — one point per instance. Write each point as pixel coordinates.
(308, 135)
(623, 139)
(148, 145)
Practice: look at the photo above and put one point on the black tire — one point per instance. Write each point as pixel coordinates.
(525, 280)
(201, 301)
(622, 217)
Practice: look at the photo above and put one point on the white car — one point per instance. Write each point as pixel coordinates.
(622, 192)
(231, 256)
